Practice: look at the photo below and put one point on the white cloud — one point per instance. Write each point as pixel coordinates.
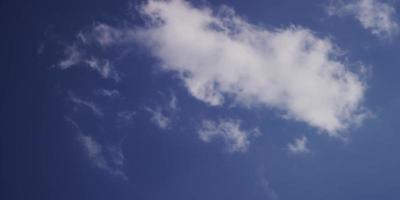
(105, 35)
(125, 118)
(173, 104)
(107, 93)
(162, 115)
(73, 56)
(236, 139)
(103, 67)
(126, 115)
(92, 106)
(221, 54)
(218, 54)
(374, 15)
(110, 159)
(299, 146)
(93, 150)
(159, 118)
(271, 194)
(76, 56)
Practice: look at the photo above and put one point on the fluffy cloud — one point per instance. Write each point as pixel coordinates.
(376, 16)
(218, 54)
(299, 146)
(236, 139)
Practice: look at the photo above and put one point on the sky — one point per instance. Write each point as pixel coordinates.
(199, 99)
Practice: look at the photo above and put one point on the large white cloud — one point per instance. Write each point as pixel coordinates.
(374, 15)
(218, 54)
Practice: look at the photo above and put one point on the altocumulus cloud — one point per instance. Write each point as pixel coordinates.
(218, 54)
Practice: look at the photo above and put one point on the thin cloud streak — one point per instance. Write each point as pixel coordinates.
(92, 106)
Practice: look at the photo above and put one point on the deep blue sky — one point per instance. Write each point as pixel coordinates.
(41, 127)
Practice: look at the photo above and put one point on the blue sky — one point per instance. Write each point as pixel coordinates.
(159, 100)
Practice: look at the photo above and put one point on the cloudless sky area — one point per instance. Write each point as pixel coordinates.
(199, 100)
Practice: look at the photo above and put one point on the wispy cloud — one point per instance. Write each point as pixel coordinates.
(158, 117)
(235, 138)
(290, 69)
(125, 118)
(107, 93)
(299, 146)
(92, 106)
(106, 36)
(108, 158)
(374, 15)
(103, 67)
(126, 115)
(162, 115)
(75, 55)
(271, 194)
(173, 104)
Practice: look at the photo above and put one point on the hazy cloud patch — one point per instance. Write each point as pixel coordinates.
(299, 146)
(374, 15)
